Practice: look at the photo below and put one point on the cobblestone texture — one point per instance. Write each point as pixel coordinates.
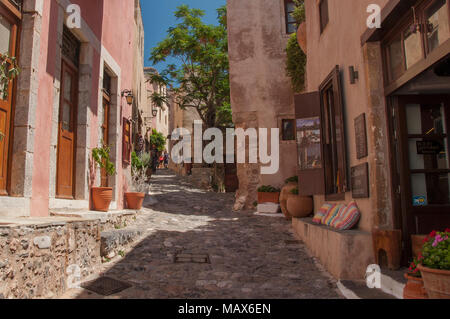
(250, 256)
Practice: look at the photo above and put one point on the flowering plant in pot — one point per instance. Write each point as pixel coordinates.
(299, 206)
(268, 194)
(414, 288)
(139, 184)
(435, 264)
(102, 196)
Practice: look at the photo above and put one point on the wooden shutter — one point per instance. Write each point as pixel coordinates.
(311, 181)
(334, 142)
(126, 149)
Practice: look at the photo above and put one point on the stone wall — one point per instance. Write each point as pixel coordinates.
(37, 260)
(261, 93)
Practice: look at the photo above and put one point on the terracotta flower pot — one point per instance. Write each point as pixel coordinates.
(414, 288)
(417, 244)
(436, 281)
(285, 191)
(101, 197)
(268, 198)
(300, 206)
(301, 37)
(134, 200)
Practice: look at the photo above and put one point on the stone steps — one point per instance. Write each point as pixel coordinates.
(392, 284)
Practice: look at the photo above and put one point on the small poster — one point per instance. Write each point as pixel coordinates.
(420, 201)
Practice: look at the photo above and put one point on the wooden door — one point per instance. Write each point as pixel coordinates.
(8, 44)
(67, 128)
(105, 134)
(423, 163)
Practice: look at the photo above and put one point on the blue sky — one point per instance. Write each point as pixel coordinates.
(158, 17)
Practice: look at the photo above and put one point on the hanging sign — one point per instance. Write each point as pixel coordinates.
(429, 147)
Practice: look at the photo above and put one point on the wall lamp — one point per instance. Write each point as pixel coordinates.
(155, 112)
(129, 96)
(354, 75)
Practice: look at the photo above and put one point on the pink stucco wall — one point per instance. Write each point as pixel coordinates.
(112, 22)
(340, 44)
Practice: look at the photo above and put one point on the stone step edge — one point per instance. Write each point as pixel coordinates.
(389, 286)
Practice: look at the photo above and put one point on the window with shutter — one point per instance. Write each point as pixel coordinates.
(333, 137)
(324, 15)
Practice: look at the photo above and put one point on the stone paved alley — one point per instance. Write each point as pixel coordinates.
(250, 256)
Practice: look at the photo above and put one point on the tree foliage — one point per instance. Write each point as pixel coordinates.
(202, 75)
(158, 140)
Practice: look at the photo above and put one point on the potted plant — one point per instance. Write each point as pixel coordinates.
(414, 288)
(102, 196)
(268, 194)
(139, 166)
(299, 206)
(435, 264)
(291, 183)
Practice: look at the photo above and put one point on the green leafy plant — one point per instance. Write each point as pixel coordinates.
(200, 78)
(295, 64)
(121, 253)
(100, 156)
(268, 189)
(141, 162)
(9, 70)
(158, 140)
(1, 136)
(294, 191)
(413, 270)
(293, 179)
(436, 250)
(299, 13)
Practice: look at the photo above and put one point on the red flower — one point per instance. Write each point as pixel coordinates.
(425, 240)
(432, 234)
(447, 230)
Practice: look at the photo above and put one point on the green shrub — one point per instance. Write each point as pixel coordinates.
(293, 179)
(268, 189)
(295, 64)
(294, 191)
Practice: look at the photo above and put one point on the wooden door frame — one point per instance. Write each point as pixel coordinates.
(105, 126)
(398, 134)
(68, 64)
(15, 18)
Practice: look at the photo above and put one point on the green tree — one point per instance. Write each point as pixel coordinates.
(158, 140)
(201, 79)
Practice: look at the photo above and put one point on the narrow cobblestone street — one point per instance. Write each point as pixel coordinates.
(250, 256)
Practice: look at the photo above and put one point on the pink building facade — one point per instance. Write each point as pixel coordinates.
(66, 101)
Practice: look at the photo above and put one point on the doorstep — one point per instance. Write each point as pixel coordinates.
(392, 284)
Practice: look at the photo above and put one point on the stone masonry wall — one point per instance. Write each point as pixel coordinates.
(36, 261)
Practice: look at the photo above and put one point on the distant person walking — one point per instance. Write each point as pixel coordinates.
(166, 160)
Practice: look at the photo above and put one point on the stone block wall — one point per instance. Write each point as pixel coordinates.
(36, 261)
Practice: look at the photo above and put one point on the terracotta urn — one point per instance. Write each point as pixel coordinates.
(300, 206)
(268, 198)
(101, 198)
(436, 282)
(301, 37)
(134, 200)
(414, 288)
(285, 191)
(417, 244)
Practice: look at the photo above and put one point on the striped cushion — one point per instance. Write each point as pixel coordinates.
(349, 217)
(333, 212)
(323, 211)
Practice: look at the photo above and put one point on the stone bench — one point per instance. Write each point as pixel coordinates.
(345, 254)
